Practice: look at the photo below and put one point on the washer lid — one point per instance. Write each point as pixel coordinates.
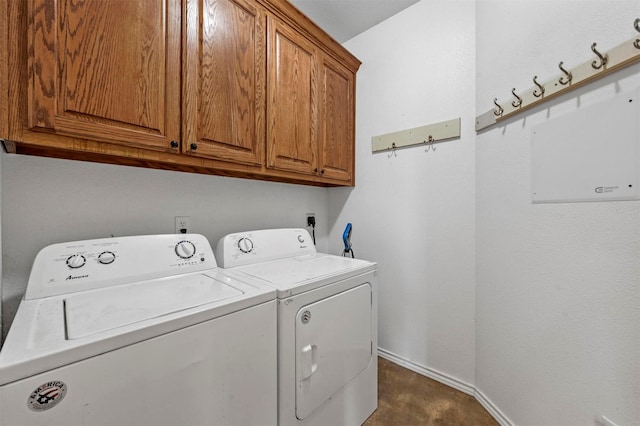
(105, 309)
(295, 275)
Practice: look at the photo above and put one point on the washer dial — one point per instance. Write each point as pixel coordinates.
(106, 257)
(185, 249)
(76, 261)
(245, 245)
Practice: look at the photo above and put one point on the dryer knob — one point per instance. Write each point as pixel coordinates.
(245, 245)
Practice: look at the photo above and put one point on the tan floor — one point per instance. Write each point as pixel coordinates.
(406, 398)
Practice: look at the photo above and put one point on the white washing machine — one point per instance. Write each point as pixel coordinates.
(327, 324)
(139, 331)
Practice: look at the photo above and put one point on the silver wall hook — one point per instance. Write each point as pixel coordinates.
(393, 151)
(430, 141)
(603, 58)
(636, 25)
(567, 77)
(518, 101)
(498, 110)
(537, 93)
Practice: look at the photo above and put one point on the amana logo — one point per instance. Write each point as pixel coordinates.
(47, 396)
(77, 277)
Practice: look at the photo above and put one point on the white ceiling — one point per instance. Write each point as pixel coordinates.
(344, 19)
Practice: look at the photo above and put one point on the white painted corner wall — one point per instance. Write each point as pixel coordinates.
(413, 212)
(535, 307)
(557, 285)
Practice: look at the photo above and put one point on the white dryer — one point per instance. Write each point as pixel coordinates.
(327, 324)
(139, 331)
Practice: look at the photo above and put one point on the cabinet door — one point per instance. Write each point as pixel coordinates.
(224, 92)
(337, 110)
(107, 70)
(292, 107)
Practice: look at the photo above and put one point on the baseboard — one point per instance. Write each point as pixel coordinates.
(491, 408)
(449, 381)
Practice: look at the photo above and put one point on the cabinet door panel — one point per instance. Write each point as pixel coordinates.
(337, 122)
(224, 97)
(106, 70)
(292, 109)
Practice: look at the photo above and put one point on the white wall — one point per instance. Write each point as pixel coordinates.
(45, 201)
(414, 213)
(554, 290)
(558, 285)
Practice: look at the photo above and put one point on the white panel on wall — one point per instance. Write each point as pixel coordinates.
(591, 154)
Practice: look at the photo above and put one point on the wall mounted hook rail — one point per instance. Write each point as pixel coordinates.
(429, 134)
(615, 59)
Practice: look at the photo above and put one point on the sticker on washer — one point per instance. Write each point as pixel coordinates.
(47, 396)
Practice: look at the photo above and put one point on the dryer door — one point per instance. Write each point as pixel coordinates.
(333, 345)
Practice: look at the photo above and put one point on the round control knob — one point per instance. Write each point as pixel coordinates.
(245, 245)
(76, 261)
(185, 249)
(106, 257)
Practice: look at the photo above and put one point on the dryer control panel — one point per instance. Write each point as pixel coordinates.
(84, 265)
(245, 248)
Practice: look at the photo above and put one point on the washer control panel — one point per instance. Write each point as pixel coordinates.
(82, 265)
(244, 248)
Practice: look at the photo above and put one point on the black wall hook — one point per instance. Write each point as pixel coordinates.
(498, 110)
(518, 101)
(537, 93)
(603, 58)
(567, 77)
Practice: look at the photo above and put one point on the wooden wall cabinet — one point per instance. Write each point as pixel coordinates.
(245, 88)
(224, 81)
(337, 121)
(105, 70)
(293, 105)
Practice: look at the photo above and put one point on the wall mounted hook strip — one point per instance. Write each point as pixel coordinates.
(429, 134)
(619, 57)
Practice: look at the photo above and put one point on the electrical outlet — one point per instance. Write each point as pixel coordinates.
(311, 219)
(182, 224)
